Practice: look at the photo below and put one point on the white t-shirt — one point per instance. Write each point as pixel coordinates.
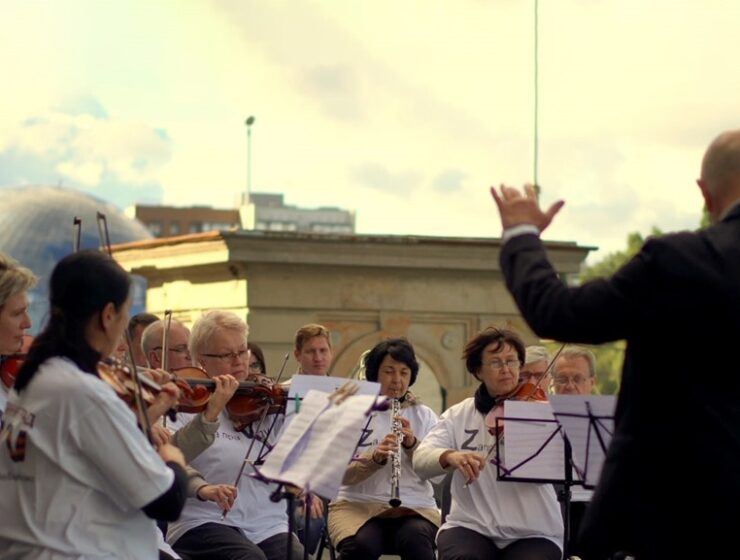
(3, 399)
(253, 512)
(413, 491)
(504, 511)
(87, 470)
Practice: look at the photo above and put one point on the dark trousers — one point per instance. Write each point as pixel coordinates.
(412, 538)
(458, 543)
(214, 541)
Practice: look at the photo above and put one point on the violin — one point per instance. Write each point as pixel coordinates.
(250, 402)
(524, 391)
(121, 379)
(11, 364)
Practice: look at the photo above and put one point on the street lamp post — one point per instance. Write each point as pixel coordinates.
(249, 122)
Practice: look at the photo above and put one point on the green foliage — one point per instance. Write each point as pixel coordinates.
(706, 221)
(614, 261)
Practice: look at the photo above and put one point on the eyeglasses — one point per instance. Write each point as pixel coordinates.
(530, 375)
(498, 365)
(181, 349)
(228, 356)
(256, 367)
(564, 380)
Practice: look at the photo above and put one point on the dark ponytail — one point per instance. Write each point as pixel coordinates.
(81, 285)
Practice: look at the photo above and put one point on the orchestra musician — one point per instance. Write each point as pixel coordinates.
(77, 475)
(312, 349)
(255, 526)
(361, 522)
(488, 518)
(15, 281)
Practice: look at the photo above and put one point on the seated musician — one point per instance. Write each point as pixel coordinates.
(78, 478)
(255, 526)
(15, 281)
(362, 524)
(194, 436)
(312, 350)
(488, 518)
(574, 373)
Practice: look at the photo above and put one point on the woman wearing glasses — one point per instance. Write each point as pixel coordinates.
(488, 518)
(255, 527)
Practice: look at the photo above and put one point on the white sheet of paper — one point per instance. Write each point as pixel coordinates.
(302, 384)
(316, 447)
(572, 412)
(532, 448)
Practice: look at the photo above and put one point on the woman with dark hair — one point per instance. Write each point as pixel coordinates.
(362, 523)
(488, 518)
(77, 476)
(257, 364)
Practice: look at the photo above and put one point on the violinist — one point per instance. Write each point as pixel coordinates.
(362, 522)
(15, 281)
(199, 432)
(136, 326)
(177, 345)
(77, 476)
(255, 526)
(536, 361)
(488, 518)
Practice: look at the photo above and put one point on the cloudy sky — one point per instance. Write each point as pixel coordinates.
(404, 110)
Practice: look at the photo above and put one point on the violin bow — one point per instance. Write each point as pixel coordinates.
(76, 235)
(549, 366)
(166, 338)
(138, 393)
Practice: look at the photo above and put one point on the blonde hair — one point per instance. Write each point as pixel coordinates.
(209, 324)
(14, 278)
(309, 331)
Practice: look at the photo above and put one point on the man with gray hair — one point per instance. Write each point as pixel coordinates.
(534, 370)
(574, 372)
(178, 338)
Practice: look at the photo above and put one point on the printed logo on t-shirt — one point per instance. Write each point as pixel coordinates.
(16, 416)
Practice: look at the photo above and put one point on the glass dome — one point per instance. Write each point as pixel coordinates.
(36, 229)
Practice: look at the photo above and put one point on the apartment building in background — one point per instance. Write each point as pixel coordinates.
(265, 211)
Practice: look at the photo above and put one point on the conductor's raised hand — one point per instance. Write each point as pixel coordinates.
(517, 207)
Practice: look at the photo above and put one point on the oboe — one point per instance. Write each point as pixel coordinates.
(396, 427)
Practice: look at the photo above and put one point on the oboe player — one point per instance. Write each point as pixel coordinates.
(362, 524)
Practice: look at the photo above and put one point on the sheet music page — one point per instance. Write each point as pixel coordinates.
(301, 384)
(533, 447)
(572, 412)
(316, 447)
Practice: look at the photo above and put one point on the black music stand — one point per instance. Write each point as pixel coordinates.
(586, 419)
(565, 479)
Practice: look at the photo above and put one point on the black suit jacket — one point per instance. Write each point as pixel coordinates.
(671, 481)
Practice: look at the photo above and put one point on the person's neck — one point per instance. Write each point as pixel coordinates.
(732, 205)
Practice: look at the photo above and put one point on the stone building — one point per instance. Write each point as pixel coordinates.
(436, 291)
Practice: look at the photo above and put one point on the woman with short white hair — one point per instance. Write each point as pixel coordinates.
(255, 527)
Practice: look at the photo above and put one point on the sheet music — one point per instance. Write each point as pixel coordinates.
(302, 384)
(587, 420)
(533, 446)
(316, 447)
